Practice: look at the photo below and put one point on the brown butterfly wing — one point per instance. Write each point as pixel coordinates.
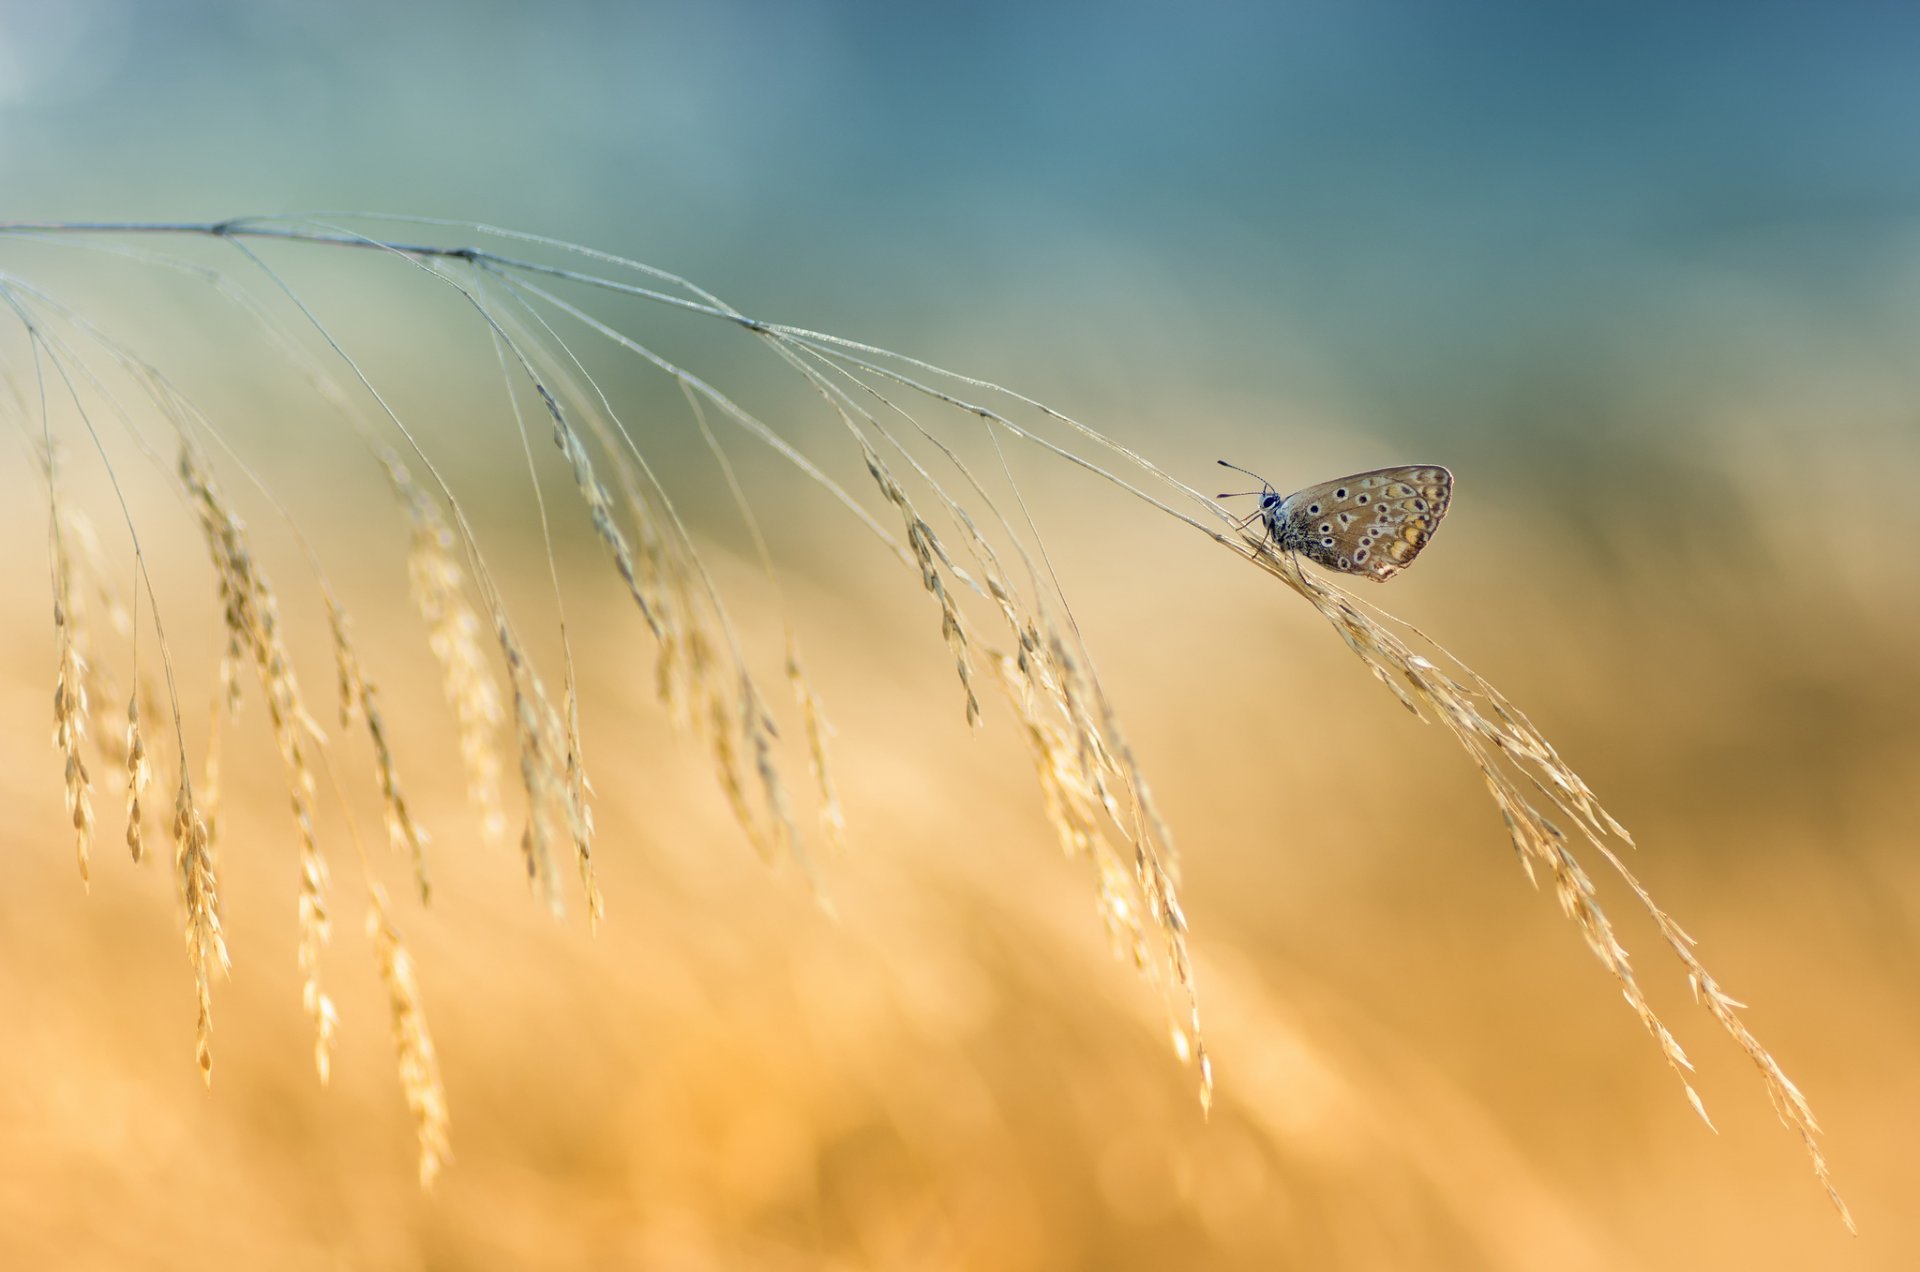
(1371, 524)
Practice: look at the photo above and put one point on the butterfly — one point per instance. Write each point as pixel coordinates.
(1372, 524)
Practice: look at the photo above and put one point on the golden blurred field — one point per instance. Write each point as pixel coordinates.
(1418, 1063)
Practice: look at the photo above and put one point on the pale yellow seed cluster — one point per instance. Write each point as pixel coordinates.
(1074, 754)
(85, 691)
(691, 676)
(457, 638)
(200, 898)
(420, 1080)
(139, 774)
(1094, 794)
(70, 705)
(360, 699)
(757, 728)
(93, 586)
(551, 772)
(251, 616)
(932, 558)
(545, 744)
(1093, 791)
(599, 507)
(579, 811)
(739, 732)
(833, 822)
(684, 658)
(728, 714)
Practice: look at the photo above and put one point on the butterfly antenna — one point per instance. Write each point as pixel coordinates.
(1265, 485)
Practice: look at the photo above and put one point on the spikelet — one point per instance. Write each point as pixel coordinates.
(1157, 872)
(413, 1042)
(251, 615)
(359, 699)
(679, 664)
(212, 787)
(538, 732)
(663, 582)
(728, 713)
(70, 705)
(1093, 792)
(551, 774)
(1003, 594)
(1127, 848)
(931, 556)
(579, 812)
(833, 822)
(689, 678)
(199, 896)
(94, 585)
(655, 574)
(667, 583)
(739, 732)
(139, 774)
(456, 636)
(758, 733)
(550, 769)
(722, 729)
(599, 506)
(315, 929)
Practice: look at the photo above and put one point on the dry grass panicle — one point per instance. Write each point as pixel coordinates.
(537, 733)
(420, 1080)
(70, 704)
(252, 618)
(457, 637)
(200, 898)
(1531, 785)
(139, 776)
(932, 559)
(599, 505)
(359, 699)
(833, 821)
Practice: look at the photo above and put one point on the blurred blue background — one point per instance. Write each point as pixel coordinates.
(1434, 215)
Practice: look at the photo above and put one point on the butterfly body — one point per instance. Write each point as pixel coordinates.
(1372, 524)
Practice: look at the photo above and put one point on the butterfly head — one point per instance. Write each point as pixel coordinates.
(1268, 510)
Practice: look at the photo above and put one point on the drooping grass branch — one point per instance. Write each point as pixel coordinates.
(908, 424)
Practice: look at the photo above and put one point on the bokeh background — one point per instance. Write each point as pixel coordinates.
(1647, 278)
